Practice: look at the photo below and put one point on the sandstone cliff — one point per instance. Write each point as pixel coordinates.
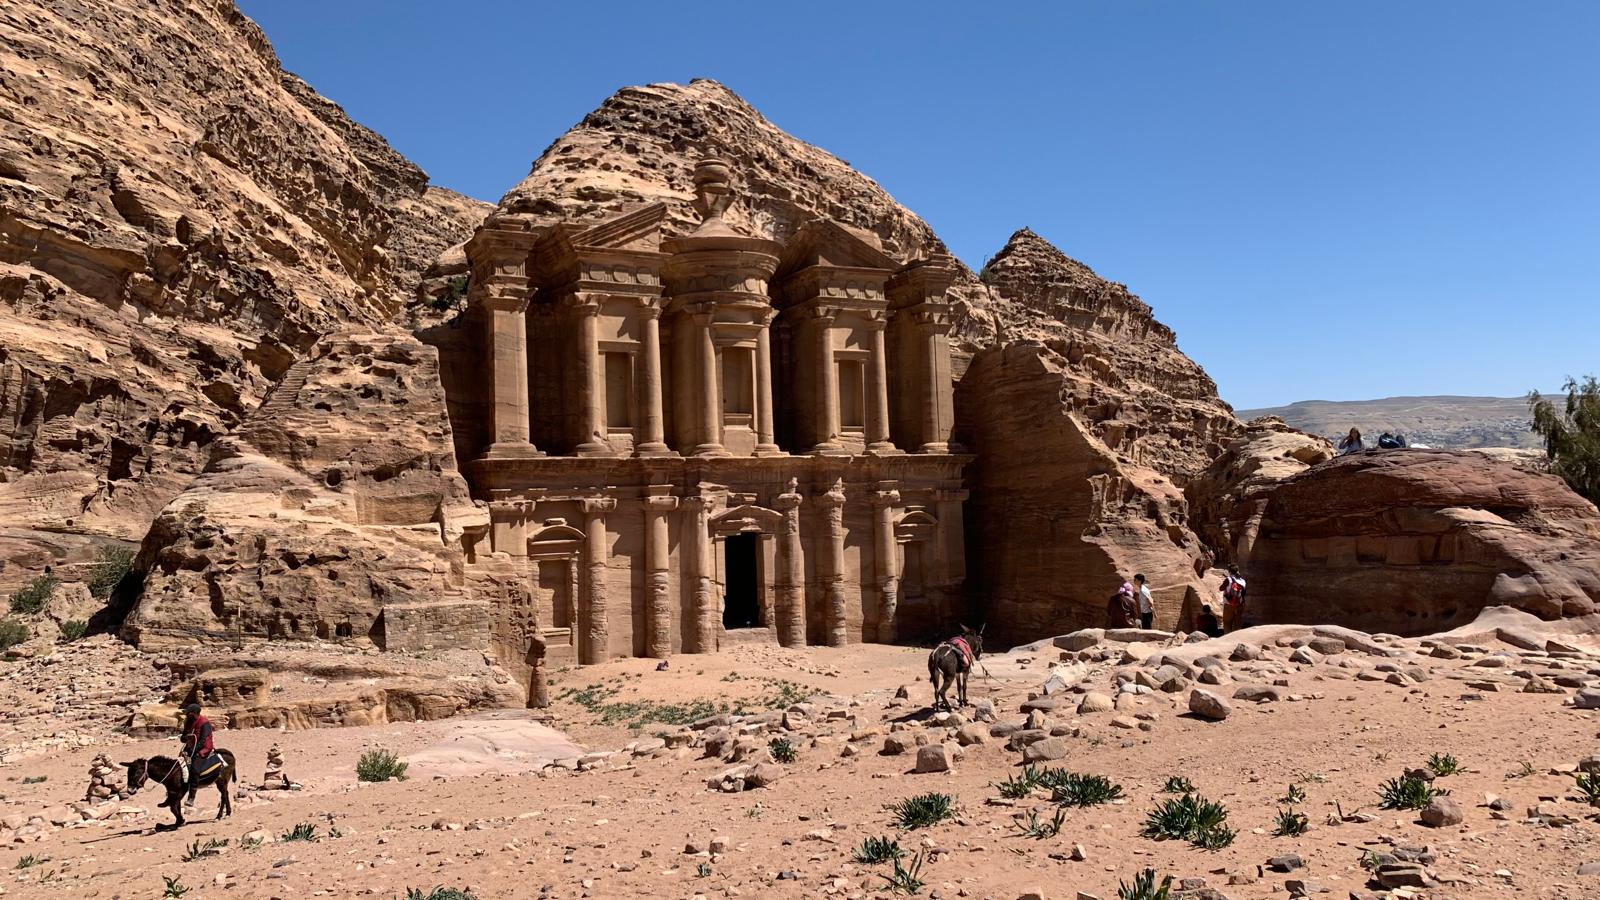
(1057, 518)
(179, 220)
(1415, 541)
(1226, 500)
(1129, 383)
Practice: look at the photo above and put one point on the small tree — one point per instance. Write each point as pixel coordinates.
(111, 564)
(1572, 434)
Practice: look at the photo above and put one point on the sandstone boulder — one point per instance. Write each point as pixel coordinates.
(1420, 541)
(1207, 705)
(1228, 496)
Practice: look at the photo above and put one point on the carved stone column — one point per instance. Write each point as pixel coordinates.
(878, 391)
(651, 433)
(827, 385)
(710, 398)
(591, 414)
(506, 336)
(696, 555)
(656, 507)
(765, 443)
(830, 565)
(884, 502)
(952, 529)
(594, 644)
(939, 404)
(791, 580)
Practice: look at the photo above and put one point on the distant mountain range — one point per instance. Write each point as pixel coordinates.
(1446, 422)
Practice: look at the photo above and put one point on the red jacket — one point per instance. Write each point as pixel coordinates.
(197, 740)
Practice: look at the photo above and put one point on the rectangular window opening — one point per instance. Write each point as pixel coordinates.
(852, 394)
(619, 390)
(738, 385)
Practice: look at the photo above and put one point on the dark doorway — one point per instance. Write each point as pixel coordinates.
(741, 608)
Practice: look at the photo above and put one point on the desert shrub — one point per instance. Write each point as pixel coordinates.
(31, 860)
(1290, 824)
(878, 849)
(1073, 789)
(31, 597)
(1144, 887)
(1444, 764)
(923, 810)
(1295, 794)
(1176, 784)
(72, 629)
(305, 831)
(12, 633)
(1020, 785)
(1407, 792)
(197, 850)
(380, 765)
(1572, 434)
(441, 893)
(1589, 785)
(110, 565)
(906, 878)
(782, 750)
(174, 886)
(35, 779)
(1191, 818)
(1040, 830)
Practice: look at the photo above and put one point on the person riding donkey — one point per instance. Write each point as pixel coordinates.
(199, 749)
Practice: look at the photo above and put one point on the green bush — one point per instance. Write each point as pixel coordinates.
(1444, 764)
(1144, 887)
(305, 831)
(440, 893)
(32, 597)
(72, 629)
(1589, 785)
(1021, 785)
(905, 879)
(1040, 830)
(1291, 823)
(1407, 792)
(1191, 818)
(1176, 784)
(1571, 434)
(110, 565)
(1074, 789)
(12, 633)
(877, 850)
(380, 765)
(923, 810)
(782, 750)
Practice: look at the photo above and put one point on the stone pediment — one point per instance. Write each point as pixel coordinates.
(824, 242)
(745, 517)
(639, 229)
(619, 254)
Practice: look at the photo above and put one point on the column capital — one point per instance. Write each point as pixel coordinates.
(598, 506)
(648, 309)
(887, 494)
(583, 303)
(504, 294)
(833, 496)
(958, 495)
(661, 504)
(510, 507)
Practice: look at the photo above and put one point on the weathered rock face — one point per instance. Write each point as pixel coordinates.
(1128, 382)
(1057, 519)
(1226, 500)
(179, 221)
(1417, 541)
(335, 513)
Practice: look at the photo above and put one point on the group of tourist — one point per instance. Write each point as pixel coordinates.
(1352, 442)
(1132, 605)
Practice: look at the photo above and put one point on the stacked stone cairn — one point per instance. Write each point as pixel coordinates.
(275, 779)
(102, 784)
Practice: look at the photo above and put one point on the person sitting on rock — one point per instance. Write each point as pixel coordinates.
(198, 747)
(1208, 622)
(1147, 607)
(1233, 591)
(1352, 443)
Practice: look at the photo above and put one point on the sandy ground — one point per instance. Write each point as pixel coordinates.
(622, 831)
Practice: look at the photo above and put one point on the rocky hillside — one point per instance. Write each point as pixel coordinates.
(1451, 423)
(1127, 379)
(179, 220)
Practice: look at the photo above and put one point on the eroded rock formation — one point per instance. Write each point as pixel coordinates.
(1227, 498)
(1415, 541)
(179, 221)
(1057, 518)
(334, 514)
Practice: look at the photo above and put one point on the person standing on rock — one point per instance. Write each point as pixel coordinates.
(1233, 591)
(1147, 608)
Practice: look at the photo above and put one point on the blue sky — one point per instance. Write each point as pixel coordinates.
(1327, 201)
